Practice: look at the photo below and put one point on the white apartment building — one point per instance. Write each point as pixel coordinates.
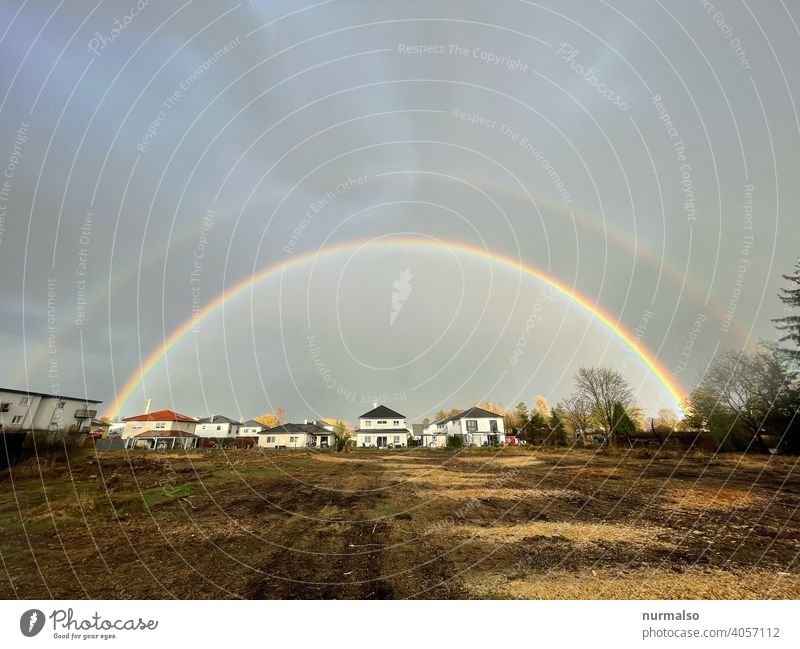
(26, 410)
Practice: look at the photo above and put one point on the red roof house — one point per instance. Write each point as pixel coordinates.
(160, 420)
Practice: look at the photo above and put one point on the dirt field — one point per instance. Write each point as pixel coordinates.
(418, 524)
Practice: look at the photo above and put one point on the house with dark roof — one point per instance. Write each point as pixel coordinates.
(251, 428)
(382, 427)
(305, 435)
(217, 426)
(474, 426)
(158, 420)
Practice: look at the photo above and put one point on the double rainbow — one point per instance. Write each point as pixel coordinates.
(176, 336)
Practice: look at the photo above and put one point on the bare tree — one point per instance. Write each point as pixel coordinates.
(667, 419)
(607, 390)
(760, 389)
(576, 411)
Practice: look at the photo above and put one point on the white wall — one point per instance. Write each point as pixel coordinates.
(274, 440)
(361, 439)
(216, 429)
(40, 412)
(372, 424)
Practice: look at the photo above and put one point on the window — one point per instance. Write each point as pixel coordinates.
(493, 425)
(381, 421)
(367, 440)
(270, 439)
(60, 404)
(397, 439)
(396, 423)
(16, 419)
(4, 407)
(293, 440)
(367, 423)
(161, 424)
(24, 401)
(472, 425)
(219, 427)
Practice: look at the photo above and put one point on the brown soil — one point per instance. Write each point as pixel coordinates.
(520, 523)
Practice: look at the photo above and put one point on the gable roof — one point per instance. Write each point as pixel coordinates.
(472, 413)
(382, 412)
(252, 423)
(162, 415)
(476, 413)
(295, 428)
(217, 419)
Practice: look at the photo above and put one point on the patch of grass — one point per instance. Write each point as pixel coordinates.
(168, 493)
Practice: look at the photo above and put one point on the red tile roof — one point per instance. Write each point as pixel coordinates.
(162, 415)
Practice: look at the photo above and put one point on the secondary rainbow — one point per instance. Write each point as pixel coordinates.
(176, 336)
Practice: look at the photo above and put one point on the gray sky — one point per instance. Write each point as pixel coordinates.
(643, 155)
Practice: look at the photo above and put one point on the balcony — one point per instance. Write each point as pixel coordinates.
(82, 413)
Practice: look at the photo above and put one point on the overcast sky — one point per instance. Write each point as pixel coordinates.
(643, 154)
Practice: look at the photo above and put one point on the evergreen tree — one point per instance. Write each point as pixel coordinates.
(789, 325)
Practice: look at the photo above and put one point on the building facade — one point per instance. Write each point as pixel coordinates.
(24, 410)
(217, 426)
(474, 427)
(251, 428)
(159, 420)
(305, 435)
(382, 427)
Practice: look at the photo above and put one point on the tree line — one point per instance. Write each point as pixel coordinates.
(744, 401)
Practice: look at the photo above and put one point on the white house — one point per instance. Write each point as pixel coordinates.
(305, 435)
(382, 427)
(217, 426)
(25, 410)
(475, 427)
(251, 428)
(159, 420)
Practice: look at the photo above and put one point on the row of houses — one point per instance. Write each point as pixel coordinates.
(380, 427)
(167, 429)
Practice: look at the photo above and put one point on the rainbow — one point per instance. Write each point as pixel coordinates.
(176, 336)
